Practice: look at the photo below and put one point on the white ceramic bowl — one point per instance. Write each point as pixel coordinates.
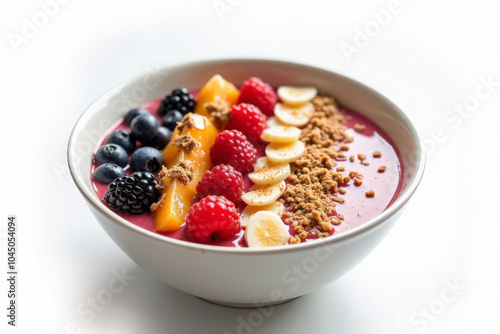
(241, 276)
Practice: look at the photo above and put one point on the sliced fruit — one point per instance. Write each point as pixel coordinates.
(277, 207)
(296, 116)
(272, 121)
(281, 134)
(285, 153)
(216, 90)
(177, 198)
(296, 96)
(266, 229)
(170, 151)
(267, 173)
(264, 195)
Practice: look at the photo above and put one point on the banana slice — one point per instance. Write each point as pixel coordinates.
(266, 172)
(272, 121)
(264, 195)
(281, 134)
(296, 96)
(298, 116)
(277, 208)
(266, 229)
(285, 153)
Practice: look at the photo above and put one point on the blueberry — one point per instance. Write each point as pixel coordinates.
(111, 153)
(146, 159)
(123, 138)
(133, 113)
(144, 127)
(107, 172)
(171, 118)
(161, 140)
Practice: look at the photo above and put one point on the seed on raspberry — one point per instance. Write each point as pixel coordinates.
(212, 218)
(257, 92)
(222, 180)
(248, 119)
(231, 147)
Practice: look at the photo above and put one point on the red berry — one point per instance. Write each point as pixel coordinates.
(231, 147)
(248, 119)
(212, 218)
(222, 180)
(260, 94)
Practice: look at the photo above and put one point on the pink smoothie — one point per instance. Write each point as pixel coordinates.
(357, 208)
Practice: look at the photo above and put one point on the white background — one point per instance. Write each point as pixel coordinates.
(429, 57)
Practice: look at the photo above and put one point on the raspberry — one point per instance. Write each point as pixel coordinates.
(248, 119)
(222, 180)
(212, 218)
(231, 147)
(260, 94)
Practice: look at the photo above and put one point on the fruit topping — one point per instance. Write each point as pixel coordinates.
(132, 194)
(264, 195)
(272, 121)
(171, 119)
(222, 180)
(180, 99)
(257, 92)
(217, 91)
(144, 127)
(249, 120)
(107, 172)
(267, 173)
(122, 138)
(296, 116)
(212, 218)
(285, 153)
(162, 138)
(133, 113)
(231, 147)
(296, 96)
(281, 134)
(276, 207)
(181, 166)
(146, 159)
(111, 153)
(266, 229)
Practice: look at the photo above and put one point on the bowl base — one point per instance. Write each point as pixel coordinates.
(247, 305)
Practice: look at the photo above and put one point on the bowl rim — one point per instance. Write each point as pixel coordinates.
(396, 206)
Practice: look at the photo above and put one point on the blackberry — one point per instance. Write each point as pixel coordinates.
(132, 194)
(180, 99)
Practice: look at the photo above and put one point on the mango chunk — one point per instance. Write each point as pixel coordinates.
(178, 198)
(216, 90)
(170, 151)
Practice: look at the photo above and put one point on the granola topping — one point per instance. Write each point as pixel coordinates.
(220, 114)
(187, 122)
(185, 142)
(181, 171)
(313, 184)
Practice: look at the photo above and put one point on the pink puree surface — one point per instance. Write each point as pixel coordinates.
(357, 208)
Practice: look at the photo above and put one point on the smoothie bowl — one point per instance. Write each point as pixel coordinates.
(245, 182)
